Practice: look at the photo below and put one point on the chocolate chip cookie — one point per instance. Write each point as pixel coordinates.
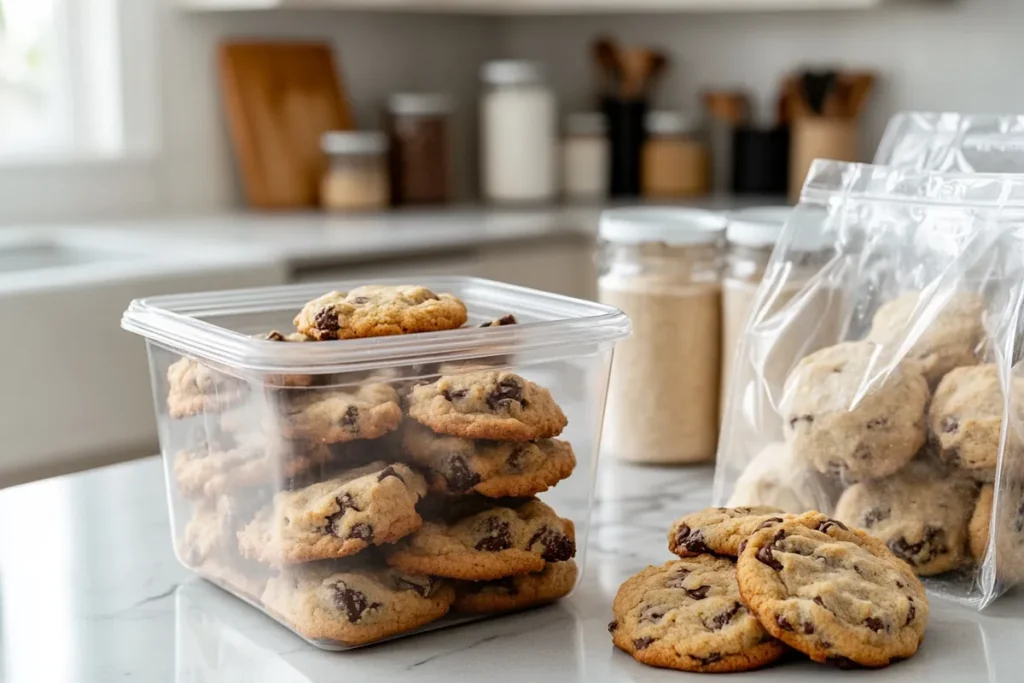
(213, 469)
(495, 405)
(288, 380)
(498, 542)
(378, 310)
(842, 425)
(720, 531)
(368, 411)
(516, 592)
(1008, 554)
(777, 479)
(920, 513)
(371, 505)
(687, 614)
(835, 594)
(355, 606)
(966, 419)
(955, 334)
(492, 468)
(194, 388)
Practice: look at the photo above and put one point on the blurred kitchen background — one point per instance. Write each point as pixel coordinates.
(155, 146)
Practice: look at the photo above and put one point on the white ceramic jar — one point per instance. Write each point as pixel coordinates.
(519, 134)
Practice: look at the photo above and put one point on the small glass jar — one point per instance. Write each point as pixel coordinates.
(357, 176)
(419, 130)
(519, 132)
(585, 157)
(663, 268)
(674, 162)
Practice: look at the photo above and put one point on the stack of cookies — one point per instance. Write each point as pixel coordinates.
(359, 506)
(904, 442)
(752, 581)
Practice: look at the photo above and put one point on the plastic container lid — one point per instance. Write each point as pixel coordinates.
(586, 123)
(670, 226)
(197, 325)
(758, 226)
(419, 104)
(512, 72)
(354, 142)
(669, 122)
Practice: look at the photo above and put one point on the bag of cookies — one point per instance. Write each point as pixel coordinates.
(972, 143)
(886, 389)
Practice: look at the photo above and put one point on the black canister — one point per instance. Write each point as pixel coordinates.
(760, 160)
(626, 140)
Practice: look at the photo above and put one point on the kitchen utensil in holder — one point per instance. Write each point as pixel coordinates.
(626, 136)
(760, 160)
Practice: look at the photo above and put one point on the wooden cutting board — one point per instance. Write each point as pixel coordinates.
(280, 97)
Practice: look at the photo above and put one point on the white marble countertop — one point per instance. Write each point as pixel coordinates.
(90, 591)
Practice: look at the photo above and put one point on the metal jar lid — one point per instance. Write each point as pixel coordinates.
(354, 142)
(419, 104)
(512, 72)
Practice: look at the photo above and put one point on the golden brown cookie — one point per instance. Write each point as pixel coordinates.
(379, 310)
(497, 542)
(835, 594)
(492, 468)
(494, 405)
(720, 531)
(687, 615)
(368, 411)
(511, 593)
(194, 388)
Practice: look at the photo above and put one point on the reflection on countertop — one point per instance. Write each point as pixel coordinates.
(90, 591)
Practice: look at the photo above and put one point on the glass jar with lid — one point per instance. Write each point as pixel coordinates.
(751, 235)
(357, 176)
(420, 135)
(674, 162)
(663, 267)
(585, 157)
(519, 133)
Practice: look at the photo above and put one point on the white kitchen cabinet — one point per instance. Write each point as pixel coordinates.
(512, 7)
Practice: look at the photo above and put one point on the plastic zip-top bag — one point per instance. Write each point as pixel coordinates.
(971, 143)
(887, 389)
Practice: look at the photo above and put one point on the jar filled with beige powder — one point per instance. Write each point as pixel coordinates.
(663, 268)
(357, 178)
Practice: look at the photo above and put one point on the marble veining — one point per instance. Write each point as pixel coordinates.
(90, 591)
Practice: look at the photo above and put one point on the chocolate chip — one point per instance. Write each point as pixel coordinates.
(498, 536)
(612, 625)
(274, 336)
(710, 659)
(876, 515)
(389, 471)
(767, 523)
(350, 418)
(652, 614)
(911, 612)
(345, 502)
(878, 423)
(720, 620)
(677, 580)
(460, 477)
(507, 391)
(362, 531)
(422, 588)
(818, 601)
(557, 546)
(352, 602)
(642, 643)
(783, 623)
(326, 319)
(874, 624)
(692, 540)
(800, 418)
(454, 395)
(504, 320)
(842, 662)
(515, 459)
(699, 593)
(766, 557)
(361, 300)
(829, 523)
(923, 552)
(899, 584)
(949, 425)
(743, 545)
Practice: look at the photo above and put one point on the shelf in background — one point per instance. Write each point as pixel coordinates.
(513, 7)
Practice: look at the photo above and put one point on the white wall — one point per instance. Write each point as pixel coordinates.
(940, 54)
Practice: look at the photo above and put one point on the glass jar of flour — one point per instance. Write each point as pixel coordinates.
(663, 268)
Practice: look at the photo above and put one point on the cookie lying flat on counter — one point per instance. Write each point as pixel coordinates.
(687, 614)
(353, 607)
(835, 594)
(511, 593)
(498, 542)
(719, 531)
(380, 310)
(494, 405)
(371, 505)
(492, 468)
(921, 515)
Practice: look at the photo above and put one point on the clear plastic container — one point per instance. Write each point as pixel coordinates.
(299, 482)
(663, 267)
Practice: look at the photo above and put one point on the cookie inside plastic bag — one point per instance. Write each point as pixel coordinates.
(888, 391)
